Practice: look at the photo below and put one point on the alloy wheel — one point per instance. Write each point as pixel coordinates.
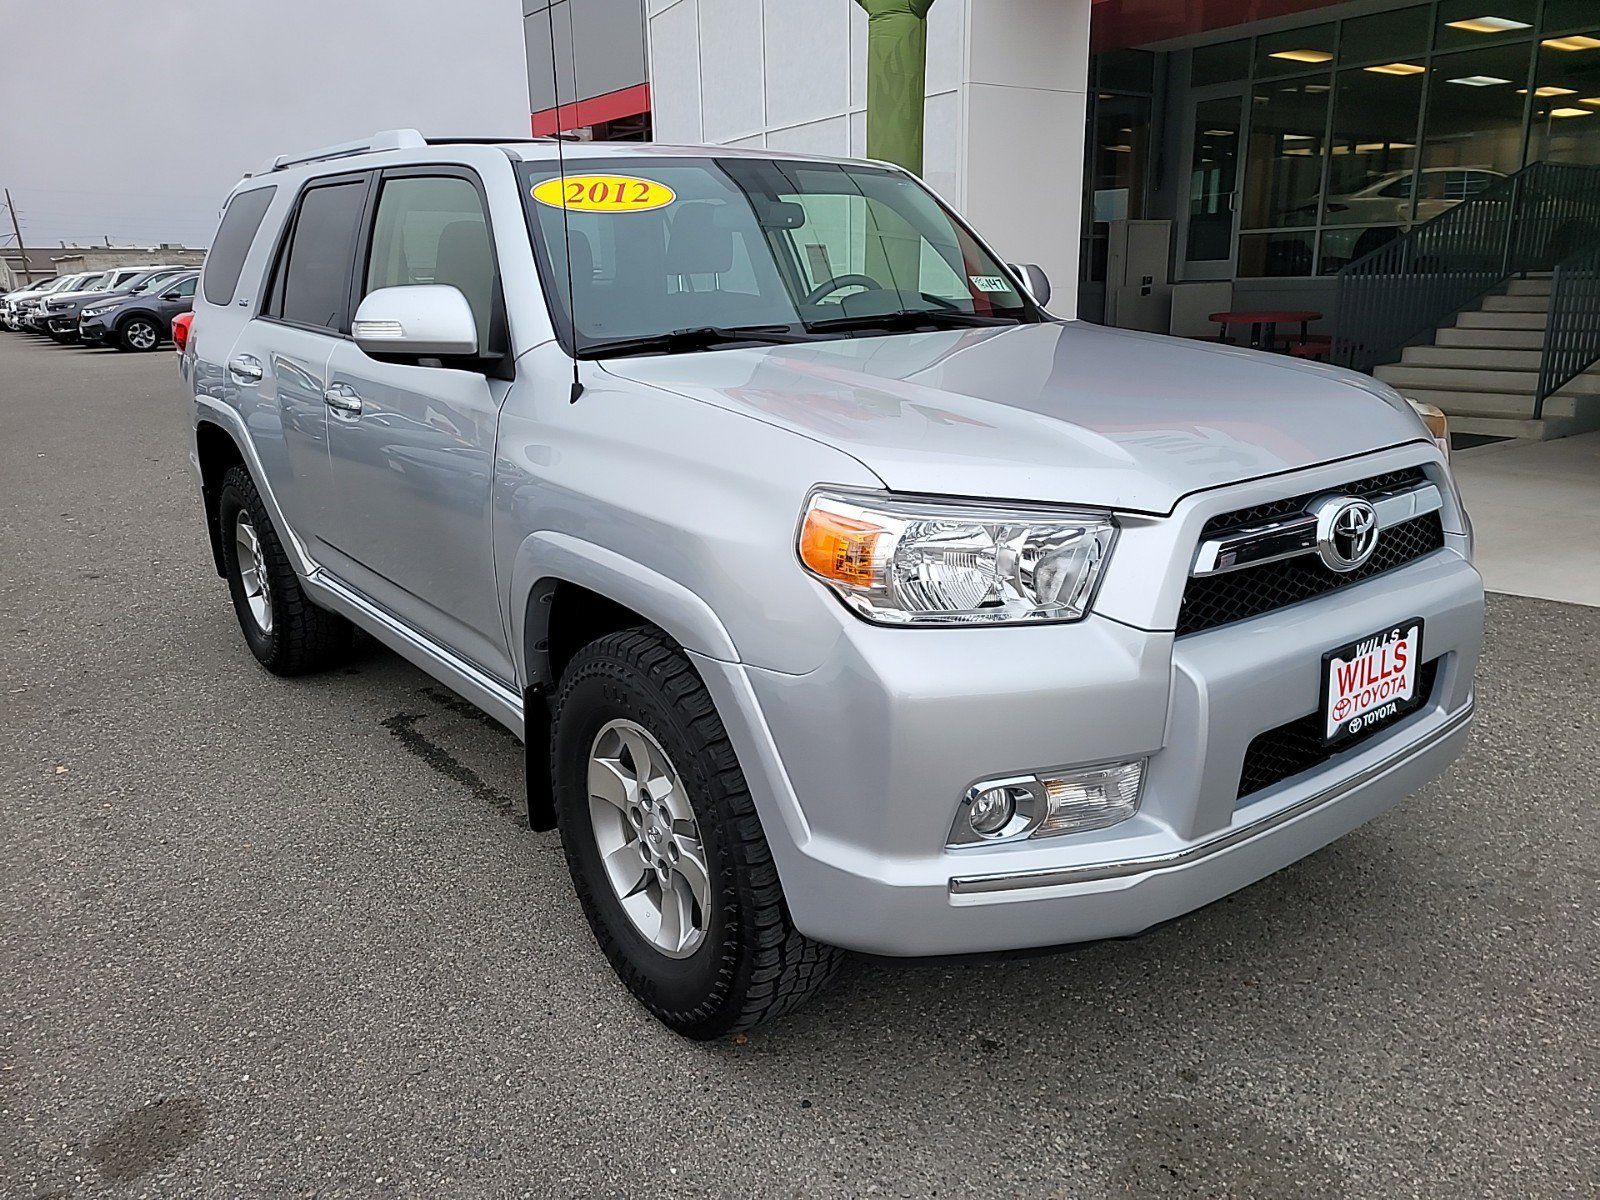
(649, 841)
(141, 335)
(252, 571)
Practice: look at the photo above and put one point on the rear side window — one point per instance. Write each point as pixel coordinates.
(186, 288)
(312, 284)
(232, 243)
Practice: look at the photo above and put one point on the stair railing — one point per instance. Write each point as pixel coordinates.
(1572, 338)
(1530, 221)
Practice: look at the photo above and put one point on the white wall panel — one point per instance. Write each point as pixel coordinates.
(807, 60)
(830, 136)
(731, 54)
(675, 60)
(941, 145)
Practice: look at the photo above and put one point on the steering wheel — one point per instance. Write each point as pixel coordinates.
(828, 286)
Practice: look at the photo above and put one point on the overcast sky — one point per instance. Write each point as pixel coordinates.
(134, 120)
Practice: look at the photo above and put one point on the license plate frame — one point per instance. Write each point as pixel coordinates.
(1357, 720)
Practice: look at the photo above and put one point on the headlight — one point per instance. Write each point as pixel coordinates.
(1438, 424)
(948, 562)
(98, 311)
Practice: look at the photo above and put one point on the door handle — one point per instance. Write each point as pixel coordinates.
(245, 368)
(342, 398)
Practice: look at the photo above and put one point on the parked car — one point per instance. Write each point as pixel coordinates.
(58, 315)
(844, 598)
(37, 319)
(180, 330)
(15, 307)
(142, 319)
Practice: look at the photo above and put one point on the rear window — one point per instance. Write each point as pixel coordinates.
(232, 243)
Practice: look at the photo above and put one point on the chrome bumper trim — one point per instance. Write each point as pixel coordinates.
(967, 885)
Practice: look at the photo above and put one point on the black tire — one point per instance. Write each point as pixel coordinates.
(139, 333)
(302, 638)
(753, 965)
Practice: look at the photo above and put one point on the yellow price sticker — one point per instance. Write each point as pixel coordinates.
(604, 193)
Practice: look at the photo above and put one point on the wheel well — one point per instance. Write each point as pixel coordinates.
(562, 619)
(217, 452)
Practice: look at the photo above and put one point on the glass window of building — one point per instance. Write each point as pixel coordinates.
(1387, 36)
(1213, 180)
(1476, 103)
(1565, 125)
(1372, 161)
(1285, 151)
(1464, 23)
(1566, 16)
(1295, 50)
(1225, 62)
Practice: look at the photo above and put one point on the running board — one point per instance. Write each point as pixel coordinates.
(493, 697)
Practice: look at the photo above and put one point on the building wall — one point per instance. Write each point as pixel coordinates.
(599, 49)
(99, 258)
(1003, 128)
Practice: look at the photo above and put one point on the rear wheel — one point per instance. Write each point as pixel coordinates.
(138, 333)
(664, 845)
(288, 634)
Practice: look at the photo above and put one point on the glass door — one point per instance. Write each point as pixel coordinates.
(1211, 217)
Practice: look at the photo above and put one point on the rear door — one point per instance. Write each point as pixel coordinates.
(279, 362)
(412, 443)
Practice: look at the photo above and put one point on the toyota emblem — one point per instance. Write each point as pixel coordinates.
(1347, 531)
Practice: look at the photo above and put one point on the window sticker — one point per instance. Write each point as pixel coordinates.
(604, 193)
(989, 283)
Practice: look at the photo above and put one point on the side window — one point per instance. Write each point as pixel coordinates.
(186, 288)
(232, 243)
(432, 229)
(312, 283)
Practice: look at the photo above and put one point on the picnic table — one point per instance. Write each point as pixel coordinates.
(1264, 323)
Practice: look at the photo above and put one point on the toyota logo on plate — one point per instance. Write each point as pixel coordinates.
(1347, 531)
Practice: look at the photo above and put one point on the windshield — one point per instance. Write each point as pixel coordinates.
(734, 250)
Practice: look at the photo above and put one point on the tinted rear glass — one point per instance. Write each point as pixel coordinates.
(232, 243)
(315, 276)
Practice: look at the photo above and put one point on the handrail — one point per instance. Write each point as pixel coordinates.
(1528, 221)
(1572, 338)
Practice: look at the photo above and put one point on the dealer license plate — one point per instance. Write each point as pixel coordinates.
(1370, 680)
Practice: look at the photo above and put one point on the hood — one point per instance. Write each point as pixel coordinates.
(57, 298)
(1067, 413)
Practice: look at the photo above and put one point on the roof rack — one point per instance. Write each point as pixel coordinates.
(387, 139)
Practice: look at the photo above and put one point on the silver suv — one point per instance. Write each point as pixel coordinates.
(842, 597)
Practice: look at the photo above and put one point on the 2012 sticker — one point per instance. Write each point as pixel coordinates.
(604, 193)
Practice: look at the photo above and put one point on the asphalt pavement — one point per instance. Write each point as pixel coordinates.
(284, 938)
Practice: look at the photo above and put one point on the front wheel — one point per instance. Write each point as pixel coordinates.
(664, 845)
(139, 334)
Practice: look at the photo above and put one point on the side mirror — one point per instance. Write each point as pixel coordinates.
(431, 319)
(171, 296)
(1035, 280)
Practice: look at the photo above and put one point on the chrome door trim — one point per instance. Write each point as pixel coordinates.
(967, 885)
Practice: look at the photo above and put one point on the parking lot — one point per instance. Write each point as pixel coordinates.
(284, 938)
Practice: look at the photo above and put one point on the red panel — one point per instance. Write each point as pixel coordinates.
(1117, 24)
(613, 106)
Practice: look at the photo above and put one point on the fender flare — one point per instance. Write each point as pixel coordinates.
(230, 422)
(544, 561)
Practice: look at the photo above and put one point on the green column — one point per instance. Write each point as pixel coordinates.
(897, 69)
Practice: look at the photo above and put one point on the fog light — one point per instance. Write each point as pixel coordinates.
(991, 811)
(1090, 799)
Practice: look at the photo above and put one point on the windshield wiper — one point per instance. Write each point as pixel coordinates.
(908, 321)
(699, 337)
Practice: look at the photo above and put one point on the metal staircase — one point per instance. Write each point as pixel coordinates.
(1492, 308)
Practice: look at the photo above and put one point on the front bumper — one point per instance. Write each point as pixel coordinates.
(62, 324)
(858, 767)
(93, 329)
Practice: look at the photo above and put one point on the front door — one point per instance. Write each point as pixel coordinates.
(1211, 217)
(412, 443)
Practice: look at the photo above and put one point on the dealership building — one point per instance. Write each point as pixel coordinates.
(1165, 160)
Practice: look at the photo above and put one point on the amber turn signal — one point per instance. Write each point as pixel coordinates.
(840, 548)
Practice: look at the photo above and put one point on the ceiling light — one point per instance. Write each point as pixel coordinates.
(1570, 112)
(1397, 68)
(1548, 91)
(1317, 87)
(1481, 80)
(1376, 147)
(1235, 132)
(1576, 42)
(1488, 24)
(1118, 149)
(1595, 100)
(1305, 56)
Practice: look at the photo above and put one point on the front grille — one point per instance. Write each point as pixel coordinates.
(1213, 600)
(1297, 746)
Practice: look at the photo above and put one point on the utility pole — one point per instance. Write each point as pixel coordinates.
(27, 272)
